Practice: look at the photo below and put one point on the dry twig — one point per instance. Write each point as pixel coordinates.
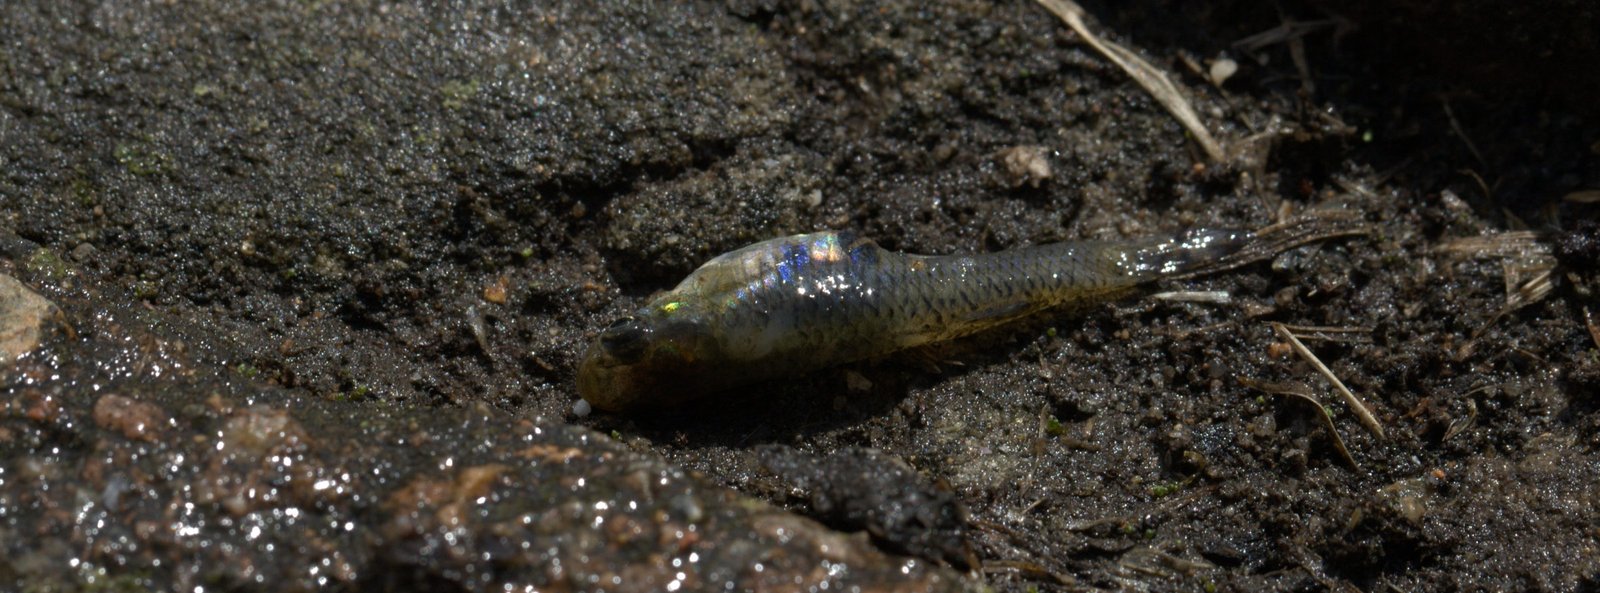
(1363, 413)
(1321, 332)
(1027, 570)
(1583, 196)
(1303, 395)
(1527, 265)
(1523, 294)
(1153, 80)
(1211, 297)
(1455, 126)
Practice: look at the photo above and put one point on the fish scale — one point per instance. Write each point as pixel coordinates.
(805, 302)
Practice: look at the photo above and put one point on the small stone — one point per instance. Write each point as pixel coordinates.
(496, 291)
(582, 408)
(258, 430)
(1026, 165)
(856, 382)
(1223, 69)
(476, 481)
(812, 199)
(1408, 498)
(22, 317)
(136, 420)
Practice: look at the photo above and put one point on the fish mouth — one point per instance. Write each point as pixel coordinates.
(597, 380)
(612, 384)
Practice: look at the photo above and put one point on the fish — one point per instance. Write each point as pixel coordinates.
(802, 303)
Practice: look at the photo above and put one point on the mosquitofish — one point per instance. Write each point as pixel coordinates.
(806, 302)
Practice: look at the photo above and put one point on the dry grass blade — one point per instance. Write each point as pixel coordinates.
(1460, 425)
(1285, 31)
(1525, 293)
(1212, 297)
(1586, 196)
(1028, 570)
(1507, 244)
(1327, 420)
(1328, 329)
(1329, 333)
(1153, 80)
(1145, 561)
(1594, 330)
(1363, 413)
(1461, 133)
(1527, 265)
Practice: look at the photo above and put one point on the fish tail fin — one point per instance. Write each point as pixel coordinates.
(1205, 251)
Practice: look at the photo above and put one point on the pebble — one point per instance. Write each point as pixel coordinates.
(134, 419)
(22, 317)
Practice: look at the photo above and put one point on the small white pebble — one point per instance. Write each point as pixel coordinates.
(1223, 69)
(814, 198)
(1026, 164)
(581, 408)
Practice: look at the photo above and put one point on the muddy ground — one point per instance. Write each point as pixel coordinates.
(323, 271)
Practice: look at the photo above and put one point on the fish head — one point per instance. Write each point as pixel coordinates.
(662, 354)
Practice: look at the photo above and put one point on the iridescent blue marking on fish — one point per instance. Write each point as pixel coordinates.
(795, 257)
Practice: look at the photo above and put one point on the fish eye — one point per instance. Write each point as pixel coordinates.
(625, 339)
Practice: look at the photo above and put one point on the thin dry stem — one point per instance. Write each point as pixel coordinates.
(1594, 330)
(1153, 80)
(1211, 297)
(1461, 133)
(1363, 413)
(1583, 196)
(1303, 395)
(1338, 334)
(1524, 294)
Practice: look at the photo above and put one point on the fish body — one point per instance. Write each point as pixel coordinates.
(805, 302)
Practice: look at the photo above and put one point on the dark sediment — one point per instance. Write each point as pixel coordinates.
(324, 271)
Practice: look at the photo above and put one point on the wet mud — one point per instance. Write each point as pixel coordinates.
(316, 277)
